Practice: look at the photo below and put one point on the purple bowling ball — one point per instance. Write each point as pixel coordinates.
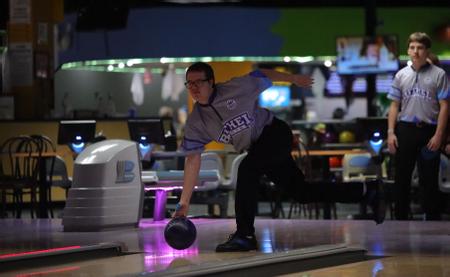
(180, 233)
(329, 137)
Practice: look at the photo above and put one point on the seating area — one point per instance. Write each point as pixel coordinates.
(27, 168)
(33, 168)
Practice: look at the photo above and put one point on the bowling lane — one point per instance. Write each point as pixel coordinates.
(133, 264)
(148, 252)
(408, 265)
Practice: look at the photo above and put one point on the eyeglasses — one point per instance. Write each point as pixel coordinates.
(196, 83)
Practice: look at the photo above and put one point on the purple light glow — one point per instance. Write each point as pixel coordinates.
(166, 188)
(154, 263)
(149, 223)
(158, 254)
(162, 188)
(159, 212)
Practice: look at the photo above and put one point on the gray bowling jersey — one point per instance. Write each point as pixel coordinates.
(231, 117)
(419, 93)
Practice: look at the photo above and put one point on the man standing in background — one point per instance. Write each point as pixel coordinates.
(417, 120)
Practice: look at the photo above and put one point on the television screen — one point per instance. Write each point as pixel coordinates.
(76, 131)
(275, 97)
(366, 55)
(368, 125)
(153, 130)
(146, 130)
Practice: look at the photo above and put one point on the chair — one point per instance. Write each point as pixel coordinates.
(230, 182)
(218, 195)
(304, 162)
(57, 177)
(211, 161)
(359, 167)
(19, 172)
(46, 160)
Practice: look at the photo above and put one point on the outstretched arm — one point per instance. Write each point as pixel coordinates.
(191, 170)
(297, 79)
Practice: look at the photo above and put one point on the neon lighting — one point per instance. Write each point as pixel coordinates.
(51, 250)
(144, 148)
(78, 147)
(376, 142)
(40, 273)
(166, 188)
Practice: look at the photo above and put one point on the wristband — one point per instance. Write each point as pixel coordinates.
(178, 207)
(390, 131)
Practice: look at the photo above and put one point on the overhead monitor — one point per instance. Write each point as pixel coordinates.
(367, 55)
(153, 131)
(76, 131)
(368, 126)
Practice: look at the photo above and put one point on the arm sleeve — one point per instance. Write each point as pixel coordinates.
(395, 92)
(251, 84)
(442, 87)
(193, 141)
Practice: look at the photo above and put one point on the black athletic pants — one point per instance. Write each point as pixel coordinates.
(271, 155)
(412, 138)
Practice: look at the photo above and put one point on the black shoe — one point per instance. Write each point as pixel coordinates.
(375, 198)
(237, 243)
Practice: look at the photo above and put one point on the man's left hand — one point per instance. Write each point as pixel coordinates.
(434, 143)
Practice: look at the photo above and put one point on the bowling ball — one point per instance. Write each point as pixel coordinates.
(320, 128)
(346, 137)
(329, 137)
(180, 233)
(334, 162)
(427, 154)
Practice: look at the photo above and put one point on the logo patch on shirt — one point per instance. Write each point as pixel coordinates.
(231, 104)
(418, 93)
(234, 126)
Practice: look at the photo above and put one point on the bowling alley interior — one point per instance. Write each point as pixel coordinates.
(93, 108)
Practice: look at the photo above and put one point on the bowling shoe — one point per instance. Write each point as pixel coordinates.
(237, 243)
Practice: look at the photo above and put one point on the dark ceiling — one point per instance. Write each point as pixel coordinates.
(75, 5)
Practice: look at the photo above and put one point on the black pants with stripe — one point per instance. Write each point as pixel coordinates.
(271, 155)
(412, 138)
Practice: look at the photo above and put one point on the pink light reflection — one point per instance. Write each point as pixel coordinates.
(159, 255)
(166, 188)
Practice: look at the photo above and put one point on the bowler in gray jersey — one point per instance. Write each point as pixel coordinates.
(229, 113)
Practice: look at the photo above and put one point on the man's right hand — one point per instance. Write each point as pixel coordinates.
(181, 210)
(392, 143)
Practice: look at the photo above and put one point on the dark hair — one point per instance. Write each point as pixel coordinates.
(202, 67)
(434, 60)
(420, 38)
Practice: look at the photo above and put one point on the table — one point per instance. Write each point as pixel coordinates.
(325, 154)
